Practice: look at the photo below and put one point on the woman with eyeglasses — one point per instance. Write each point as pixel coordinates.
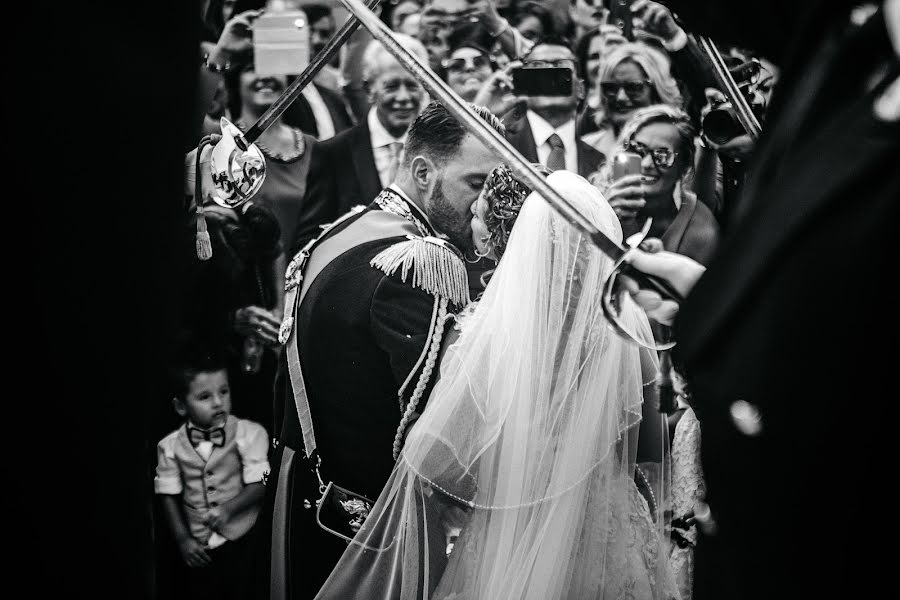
(469, 62)
(663, 137)
(590, 50)
(630, 77)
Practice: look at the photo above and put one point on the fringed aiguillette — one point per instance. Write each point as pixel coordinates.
(436, 267)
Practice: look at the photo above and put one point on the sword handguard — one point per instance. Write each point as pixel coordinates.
(238, 168)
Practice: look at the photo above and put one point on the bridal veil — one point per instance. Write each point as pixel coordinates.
(528, 444)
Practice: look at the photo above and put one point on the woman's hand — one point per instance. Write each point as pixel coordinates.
(681, 272)
(486, 12)
(655, 19)
(626, 196)
(497, 95)
(236, 37)
(193, 553)
(257, 322)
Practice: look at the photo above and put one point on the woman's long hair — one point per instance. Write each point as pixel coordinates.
(654, 63)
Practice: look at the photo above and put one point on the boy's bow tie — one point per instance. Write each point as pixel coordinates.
(216, 436)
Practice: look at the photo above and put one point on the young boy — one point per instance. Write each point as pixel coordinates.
(209, 474)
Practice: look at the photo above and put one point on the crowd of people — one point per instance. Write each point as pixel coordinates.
(528, 458)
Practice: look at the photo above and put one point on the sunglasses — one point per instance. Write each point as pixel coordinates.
(663, 158)
(458, 65)
(567, 63)
(633, 89)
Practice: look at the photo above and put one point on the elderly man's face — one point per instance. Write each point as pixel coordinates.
(396, 95)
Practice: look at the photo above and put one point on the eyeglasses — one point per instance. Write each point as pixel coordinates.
(663, 158)
(633, 89)
(458, 65)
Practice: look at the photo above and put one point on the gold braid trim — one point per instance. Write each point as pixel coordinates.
(436, 334)
(437, 267)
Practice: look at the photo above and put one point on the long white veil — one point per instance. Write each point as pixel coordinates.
(528, 442)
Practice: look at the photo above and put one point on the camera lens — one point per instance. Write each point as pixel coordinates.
(721, 125)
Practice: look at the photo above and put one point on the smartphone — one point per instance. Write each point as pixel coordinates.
(626, 163)
(281, 43)
(542, 81)
(620, 16)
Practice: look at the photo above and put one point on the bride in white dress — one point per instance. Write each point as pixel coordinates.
(529, 442)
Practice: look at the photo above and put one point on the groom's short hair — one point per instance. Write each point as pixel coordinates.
(438, 135)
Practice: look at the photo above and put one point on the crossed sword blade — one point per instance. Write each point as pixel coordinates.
(305, 78)
(500, 146)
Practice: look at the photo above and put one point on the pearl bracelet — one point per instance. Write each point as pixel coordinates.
(213, 67)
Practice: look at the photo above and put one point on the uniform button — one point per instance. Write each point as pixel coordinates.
(211, 489)
(746, 418)
(213, 503)
(209, 473)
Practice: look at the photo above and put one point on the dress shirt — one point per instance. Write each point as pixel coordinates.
(381, 147)
(541, 130)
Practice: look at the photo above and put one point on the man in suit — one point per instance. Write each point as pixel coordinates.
(777, 336)
(321, 110)
(547, 132)
(351, 168)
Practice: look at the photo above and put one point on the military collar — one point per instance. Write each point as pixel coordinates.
(393, 200)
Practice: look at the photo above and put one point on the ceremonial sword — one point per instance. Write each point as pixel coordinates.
(495, 141)
(238, 167)
(741, 107)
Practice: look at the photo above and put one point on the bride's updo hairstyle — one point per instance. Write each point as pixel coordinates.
(504, 195)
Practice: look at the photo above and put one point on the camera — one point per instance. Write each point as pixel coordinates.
(721, 124)
(281, 43)
(542, 81)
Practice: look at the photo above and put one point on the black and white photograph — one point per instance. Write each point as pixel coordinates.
(453, 299)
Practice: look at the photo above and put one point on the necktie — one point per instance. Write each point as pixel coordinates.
(216, 436)
(394, 148)
(557, 158)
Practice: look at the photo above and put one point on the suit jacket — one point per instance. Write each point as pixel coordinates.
(342, 174)
(300, 114)
(522, 139)
(694, 232)
(781, 326)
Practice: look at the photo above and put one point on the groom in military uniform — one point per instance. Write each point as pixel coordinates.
(366, 308)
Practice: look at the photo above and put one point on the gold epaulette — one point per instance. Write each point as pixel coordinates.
(436, 265)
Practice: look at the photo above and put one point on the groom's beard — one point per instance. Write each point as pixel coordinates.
(450, 219)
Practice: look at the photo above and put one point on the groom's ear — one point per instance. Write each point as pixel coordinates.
(423, 172)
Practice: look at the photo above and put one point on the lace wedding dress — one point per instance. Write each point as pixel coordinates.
(687, 489)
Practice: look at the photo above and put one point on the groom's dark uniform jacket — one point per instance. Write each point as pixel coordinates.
(362, 336)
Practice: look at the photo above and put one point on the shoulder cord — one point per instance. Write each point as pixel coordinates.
(437, 336)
